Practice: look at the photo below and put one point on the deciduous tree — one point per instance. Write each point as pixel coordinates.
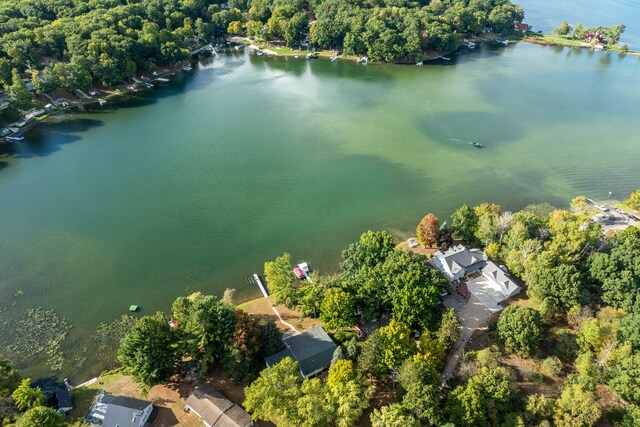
(27, 397)
(519, 329)
(41, 416)
(576, 408)
(428, 230)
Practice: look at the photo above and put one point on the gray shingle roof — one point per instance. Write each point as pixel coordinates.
(123, 411)
(64, 399)
(216, 410)
(312, 349)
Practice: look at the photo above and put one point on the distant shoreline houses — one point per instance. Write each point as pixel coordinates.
(483, 278)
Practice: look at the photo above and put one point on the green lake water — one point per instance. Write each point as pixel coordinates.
(194, 186)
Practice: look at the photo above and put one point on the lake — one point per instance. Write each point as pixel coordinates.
(195, 186)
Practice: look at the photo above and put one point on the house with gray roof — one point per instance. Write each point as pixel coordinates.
(215, 410)
(493, 286)
(63, 400)
(458, 261)
(312, 349)
(119, 411)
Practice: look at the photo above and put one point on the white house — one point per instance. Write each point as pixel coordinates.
(493, 286)
(119, 411)
(458, 261)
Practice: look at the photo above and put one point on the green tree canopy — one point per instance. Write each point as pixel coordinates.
(519, 329)
(41, 416)
(9, 378)
(337, 309)
(280, 278)
(464, 223)
(27, 397)
(150, 351)
(576, 407)
(372, 249)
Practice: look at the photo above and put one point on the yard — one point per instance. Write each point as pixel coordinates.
(262, 308)
(168, 400)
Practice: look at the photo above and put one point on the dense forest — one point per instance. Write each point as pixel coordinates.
(69, 44)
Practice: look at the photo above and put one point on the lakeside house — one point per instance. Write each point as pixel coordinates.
(458, 261)
(312, 349)
(493, 286)
(521, 26)
(118, 411)
(215, 410)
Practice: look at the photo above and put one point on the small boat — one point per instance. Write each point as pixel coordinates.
(239, 47)
(503, 42)
(362, 60)
(133, 308)
(148, 85)
(102, 101)
(302, 271)
(471, 45)
(162, 80)
(477, 145)
(259, 52)
(334, 59)
(187, 68)
(419, 63)
(445, 58)
(298, 272)
(16, 137)
(310, 56)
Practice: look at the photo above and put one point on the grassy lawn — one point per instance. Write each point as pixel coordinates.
(261, 307)
(168, 400)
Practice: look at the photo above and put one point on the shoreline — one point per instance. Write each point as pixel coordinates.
(124, 89)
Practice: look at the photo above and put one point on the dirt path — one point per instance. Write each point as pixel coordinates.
(473, 315)
(293, 328)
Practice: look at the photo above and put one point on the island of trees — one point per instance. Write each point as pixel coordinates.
(74, 44)
(567, 354)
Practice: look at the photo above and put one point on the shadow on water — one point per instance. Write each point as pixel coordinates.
(48, 137)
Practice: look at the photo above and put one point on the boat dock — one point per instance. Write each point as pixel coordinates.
(256, 279)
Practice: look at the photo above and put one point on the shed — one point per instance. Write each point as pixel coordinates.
(63, 400)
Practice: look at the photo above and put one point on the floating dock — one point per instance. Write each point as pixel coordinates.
(260, 285)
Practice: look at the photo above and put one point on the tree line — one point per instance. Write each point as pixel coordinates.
(70, 44)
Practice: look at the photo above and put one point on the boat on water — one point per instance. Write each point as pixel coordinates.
(334, 58)
(502, 42)
(187, 68)
(302, 271)
(362, 60)
(445, 58)
(162, 80)
(419, 63)
(239, 47)
(148, 85)
(259, 52)
(102, 101)
(477, 145)
(310, 56)
(16, 137)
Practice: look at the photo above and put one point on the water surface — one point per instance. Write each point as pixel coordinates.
(193, 187)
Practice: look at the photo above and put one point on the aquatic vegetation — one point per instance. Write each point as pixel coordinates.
(38, 331)
(108, 336)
